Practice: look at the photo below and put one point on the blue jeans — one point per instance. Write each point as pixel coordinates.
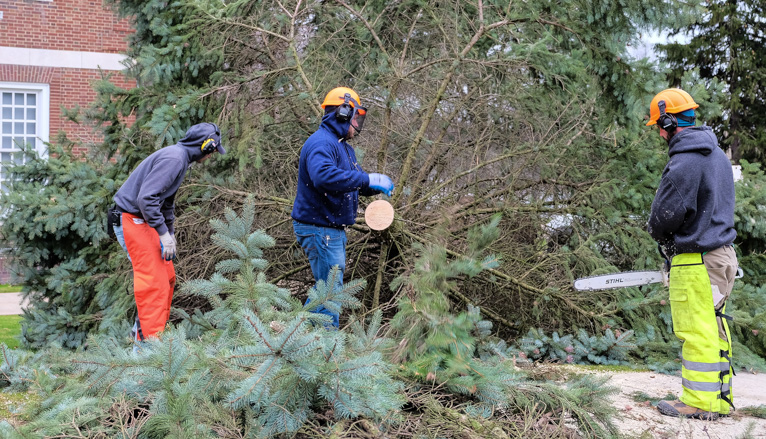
(120, 235)
(325, 248)
(135, 332)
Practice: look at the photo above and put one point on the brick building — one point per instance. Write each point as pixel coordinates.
(50, 52)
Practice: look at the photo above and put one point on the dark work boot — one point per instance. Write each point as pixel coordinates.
(679, 409)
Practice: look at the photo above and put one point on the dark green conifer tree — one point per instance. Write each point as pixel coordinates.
(727, 43)
(53, 219)
(531, 109)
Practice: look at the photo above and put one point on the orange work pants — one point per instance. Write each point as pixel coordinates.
(154, 278)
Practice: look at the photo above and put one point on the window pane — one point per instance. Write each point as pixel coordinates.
(18, 129)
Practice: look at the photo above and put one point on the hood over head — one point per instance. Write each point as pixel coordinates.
(340, 128)
(196, 138)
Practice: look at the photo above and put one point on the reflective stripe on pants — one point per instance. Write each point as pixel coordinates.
(154, 279)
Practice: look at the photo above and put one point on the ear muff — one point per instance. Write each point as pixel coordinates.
(354, 113)
(666, 121)
(345, 110)
(210, 145)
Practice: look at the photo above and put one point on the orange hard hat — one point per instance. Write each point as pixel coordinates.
(676, 101)
(337, 96)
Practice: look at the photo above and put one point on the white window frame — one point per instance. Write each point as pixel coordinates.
(42, 122)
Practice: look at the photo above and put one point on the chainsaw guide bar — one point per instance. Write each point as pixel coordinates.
(618, 280)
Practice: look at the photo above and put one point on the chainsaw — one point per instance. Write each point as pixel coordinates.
(626, 279)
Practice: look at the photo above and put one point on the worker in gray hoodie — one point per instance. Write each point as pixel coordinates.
(692, 218)
(145, 206)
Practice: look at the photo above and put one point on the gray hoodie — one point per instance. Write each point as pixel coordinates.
(693, 210)
(151, 188)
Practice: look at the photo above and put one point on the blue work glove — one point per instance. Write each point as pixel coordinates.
(382, 183)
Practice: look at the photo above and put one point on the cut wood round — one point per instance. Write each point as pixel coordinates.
(379, 215)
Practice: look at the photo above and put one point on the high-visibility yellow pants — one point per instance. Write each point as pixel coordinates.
(706, 357)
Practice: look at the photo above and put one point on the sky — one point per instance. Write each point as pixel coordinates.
(645, 49)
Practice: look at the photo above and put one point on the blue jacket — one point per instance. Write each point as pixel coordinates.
(151, 188)
(329, 178)
(693, 210)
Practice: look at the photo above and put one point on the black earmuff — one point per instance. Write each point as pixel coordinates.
(345, 110)
(666, 121)
(210, 144)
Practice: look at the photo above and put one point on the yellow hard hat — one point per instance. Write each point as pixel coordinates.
(676, 101)
(337, 97)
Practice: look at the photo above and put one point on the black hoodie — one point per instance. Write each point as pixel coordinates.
(693, 210)
(150, 189)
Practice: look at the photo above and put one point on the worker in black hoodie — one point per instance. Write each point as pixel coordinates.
(692, 218)
(145, 229)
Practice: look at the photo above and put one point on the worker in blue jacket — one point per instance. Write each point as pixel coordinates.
(329, 183)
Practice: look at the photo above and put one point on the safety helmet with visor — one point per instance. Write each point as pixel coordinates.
(348, 106)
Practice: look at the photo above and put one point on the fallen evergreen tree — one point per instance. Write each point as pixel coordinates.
(527, 109)
(260, 364)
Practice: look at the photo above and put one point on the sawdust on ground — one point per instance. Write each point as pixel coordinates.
(642, 420)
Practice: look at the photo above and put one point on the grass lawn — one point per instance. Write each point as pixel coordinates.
(10, 328)
(10, 288)
(9, 401)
